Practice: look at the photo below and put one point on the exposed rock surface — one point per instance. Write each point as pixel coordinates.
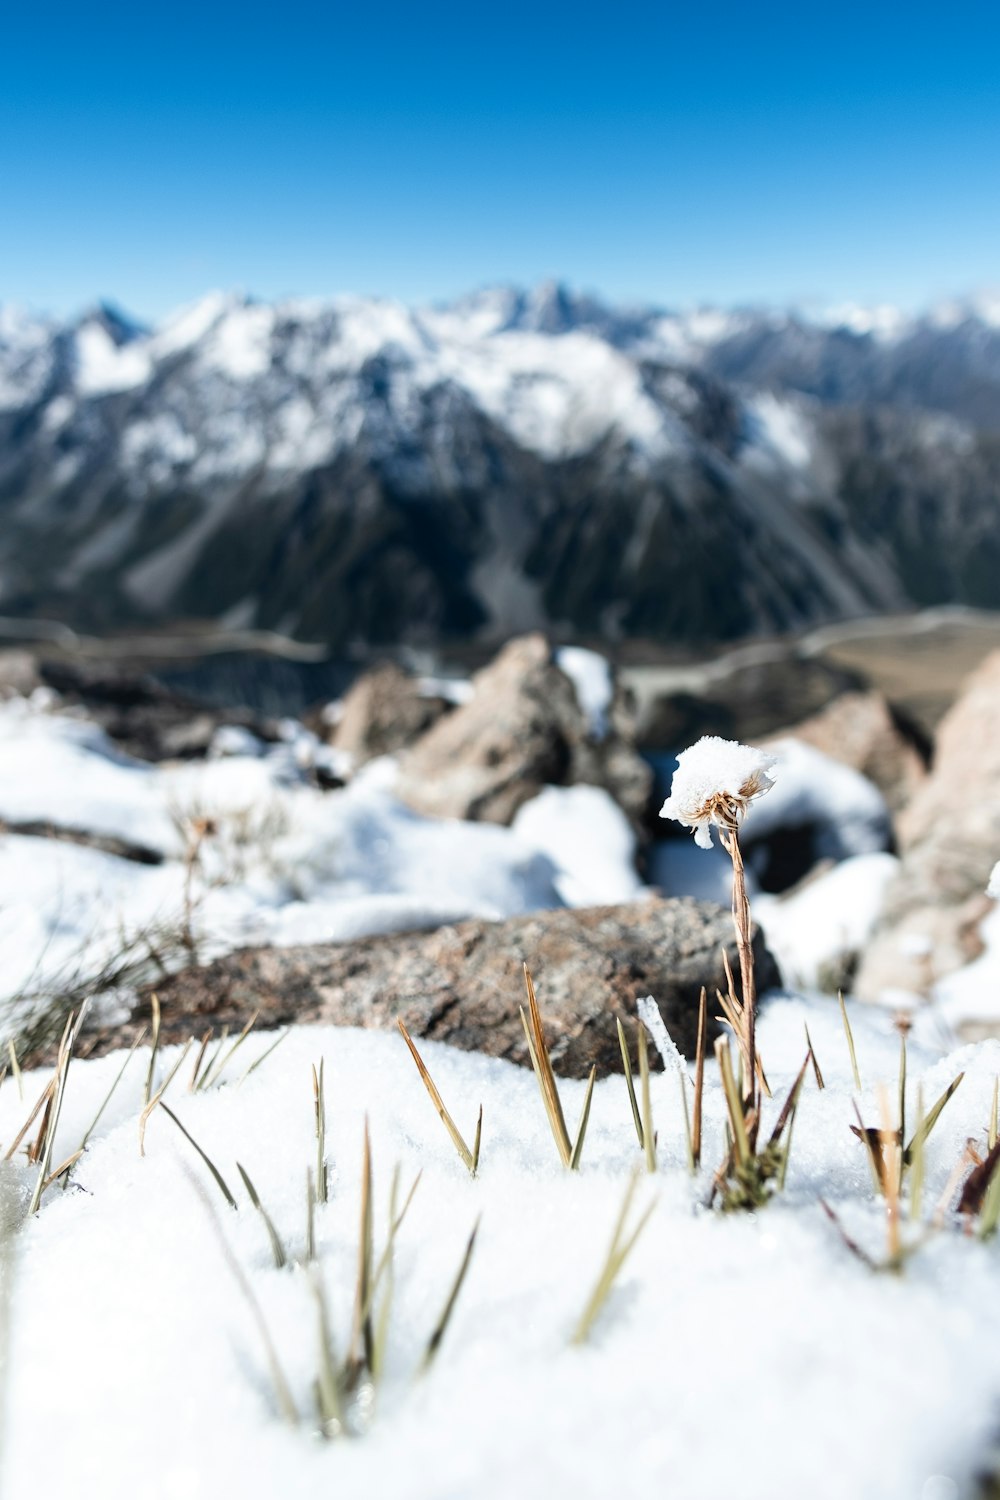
(464, 984)
(147, 719)
(384, 712)
(522, 729)
(739, 697)
(950, 839)
(861, 730)
(19, 675)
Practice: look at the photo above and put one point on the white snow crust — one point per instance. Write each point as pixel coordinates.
(593, 681)
(746, 1355)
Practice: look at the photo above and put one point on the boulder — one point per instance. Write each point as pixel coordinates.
(384, 712)
(863, 731)
(145, 717)
(743, 695)
(523, 728)
(949, 838)
(464, 984)
(19, 674)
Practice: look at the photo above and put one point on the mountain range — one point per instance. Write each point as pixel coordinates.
(364, 473)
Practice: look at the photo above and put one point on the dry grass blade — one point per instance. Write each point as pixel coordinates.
(815, 1062)
(54, 1110)
(978, 1181)
(329, 1395)
(310, 1217)
(990, 1213)
(319, 1111)
(850, 1041)
(470, 1158)
(477, 1143)
(618, 1252)
(42, 1102)
(220, 1180)
(699, 1079)
(992, 1139)
(689, 1143)
(444, 1318)
(157, 1098)
(212, 1075)
(153, 1048)
(790, 1104)
(15, 1069)
(546, 1077)
(934, 1114)
(199, 1059)
(362, 1335)
(277, 1248)
(282, 1391)
(648, 1136)
(263, 1057)
(902, 1089)
(627, 1065)
(395, 1224)
(110, 1094)
(734, 1103)
(871, 1139)
(917, 1164)
(584, 1120)
(63, 1170)
(850, 1243)
(199, 1083)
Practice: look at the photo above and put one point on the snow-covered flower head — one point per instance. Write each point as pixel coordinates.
(715, 782)
(993, 888)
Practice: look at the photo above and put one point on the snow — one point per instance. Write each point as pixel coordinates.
(238, 343)
(135, 1367)
(812, 789)
(102, 366)
(592, 678)
(716, 780)
(589, 841)
(828, 919)
(188, 325)
(971, 995)
(679, 868)
(882, 322)
(282, 863)
(780, 431)
(993, 887)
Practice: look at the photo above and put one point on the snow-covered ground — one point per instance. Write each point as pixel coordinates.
(281, 863)
(751, 1356)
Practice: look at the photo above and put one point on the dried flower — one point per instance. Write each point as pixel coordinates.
(993, 888)
(715, 782)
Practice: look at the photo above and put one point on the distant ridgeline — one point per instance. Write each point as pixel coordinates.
(357, 472)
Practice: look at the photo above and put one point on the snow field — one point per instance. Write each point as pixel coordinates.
(749, 1355)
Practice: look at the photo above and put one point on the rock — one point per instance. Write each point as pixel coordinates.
(146, 718)
(464, 984)
(384, 712)
(742, 695)
(19, 675)
(949, 838)
(863, 731)
(522, 729)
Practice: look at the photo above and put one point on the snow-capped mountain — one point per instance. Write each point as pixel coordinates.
(358, 471)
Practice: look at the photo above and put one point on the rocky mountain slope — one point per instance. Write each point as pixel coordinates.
(361, 473)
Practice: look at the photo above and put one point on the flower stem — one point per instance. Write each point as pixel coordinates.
(744, 948)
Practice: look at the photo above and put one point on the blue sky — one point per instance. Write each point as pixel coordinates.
(663, 153)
